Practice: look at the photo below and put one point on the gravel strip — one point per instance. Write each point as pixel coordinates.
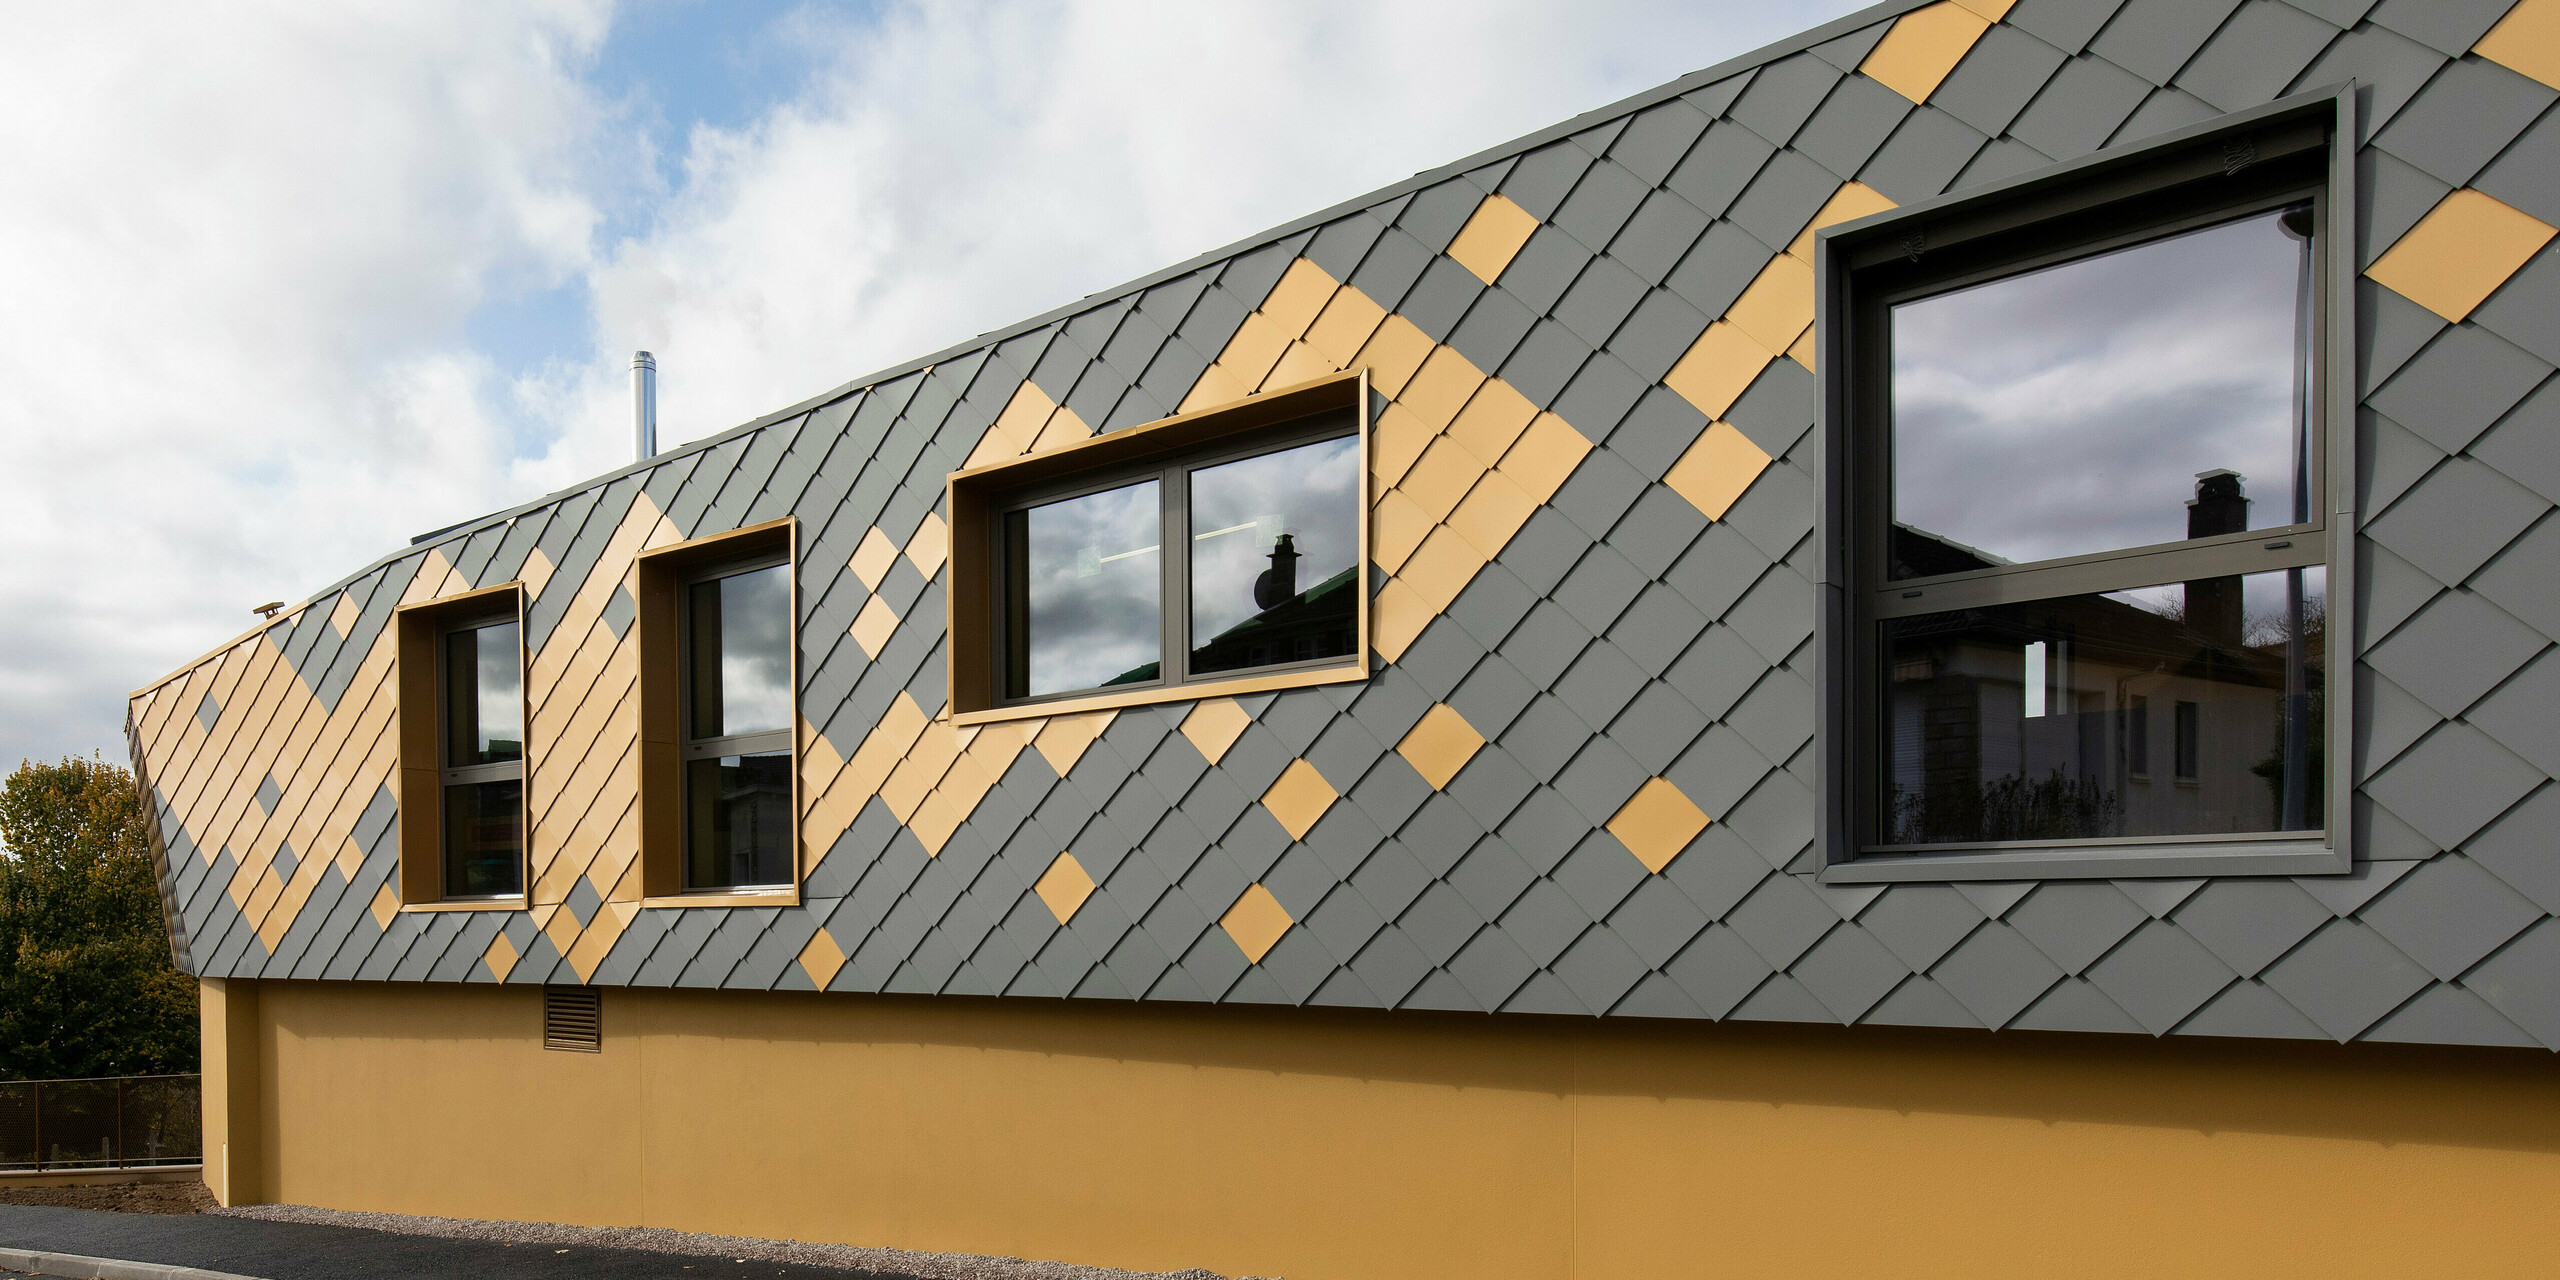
(924, 1266)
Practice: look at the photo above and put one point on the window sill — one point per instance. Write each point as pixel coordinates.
(1196, 691)
(491, 904)
(789, 897)
(2104, 862)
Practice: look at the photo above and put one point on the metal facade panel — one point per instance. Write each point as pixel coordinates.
(1618, 638)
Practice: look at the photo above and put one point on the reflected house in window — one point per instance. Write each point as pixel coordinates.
(2034, 721)
(752, 814)
(1294, 625)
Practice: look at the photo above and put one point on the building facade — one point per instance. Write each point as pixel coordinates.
(1769, 641)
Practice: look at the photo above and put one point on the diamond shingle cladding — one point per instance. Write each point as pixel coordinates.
(1579, 780)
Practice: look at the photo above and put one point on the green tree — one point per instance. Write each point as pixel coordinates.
(86, 984)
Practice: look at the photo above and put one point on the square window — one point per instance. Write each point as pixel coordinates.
(1214, 552)
(2087, 426)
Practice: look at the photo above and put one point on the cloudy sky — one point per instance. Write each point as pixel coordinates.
(2069, 410)
(287, 283)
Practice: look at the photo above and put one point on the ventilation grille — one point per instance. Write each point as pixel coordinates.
(573, 1019)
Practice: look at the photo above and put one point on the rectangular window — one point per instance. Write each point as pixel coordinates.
(1213, 552)
(484, 761)
(2085, 421)
(462, 716)
(737, 751)
(719, 800)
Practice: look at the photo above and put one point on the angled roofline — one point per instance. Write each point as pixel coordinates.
(1629, 105)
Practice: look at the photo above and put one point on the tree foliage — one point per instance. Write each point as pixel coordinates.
(86, 984)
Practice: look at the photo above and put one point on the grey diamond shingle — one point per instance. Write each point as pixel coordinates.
(2517, 982)
(2528, 175)
(2079, 108)
(1995, 973)
(2448, 1014)
(2075, 922)
(2456, 649)
(2448, 913)
(2255, 55)
(1781, 919)
(2463, 382)
(1719, 166)
(1718, 970)
(2346, 978)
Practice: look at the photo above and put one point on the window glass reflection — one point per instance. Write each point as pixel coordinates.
(484, 696)
(1084, 592)
(2083, 407)
(2050, 720)
(1273, 555)
(484, 839)
(739, 808)
(741, 653)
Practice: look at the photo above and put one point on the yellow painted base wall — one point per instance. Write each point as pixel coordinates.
(1324, 1146)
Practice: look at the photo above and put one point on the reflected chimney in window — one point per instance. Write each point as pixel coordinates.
(2221, 505)
(1278, 584)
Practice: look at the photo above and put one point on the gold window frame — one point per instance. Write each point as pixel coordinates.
(419, 631)
(658, 577)
(971, 497)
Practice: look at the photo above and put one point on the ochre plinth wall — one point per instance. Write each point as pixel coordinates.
(1319, 1145)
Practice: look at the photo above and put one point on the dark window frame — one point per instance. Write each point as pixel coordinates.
(2298, 147)
(978, 498)
(420, 633)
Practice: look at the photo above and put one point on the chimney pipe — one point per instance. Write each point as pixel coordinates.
(644, 404)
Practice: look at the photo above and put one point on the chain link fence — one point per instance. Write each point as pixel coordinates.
(122, 1122)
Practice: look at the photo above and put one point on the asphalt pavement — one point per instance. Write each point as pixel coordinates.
(303, 1251)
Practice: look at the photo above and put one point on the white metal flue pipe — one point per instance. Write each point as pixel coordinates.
(644, 405)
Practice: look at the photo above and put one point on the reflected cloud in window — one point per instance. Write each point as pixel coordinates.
(2072, 409)
(1084, 608)
(742, 653)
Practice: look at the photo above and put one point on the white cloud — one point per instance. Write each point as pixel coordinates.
(239, 245)
(955, 167)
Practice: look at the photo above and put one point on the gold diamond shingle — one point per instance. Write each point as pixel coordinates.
(2527, 40)
(872, 559)
(872, 626)
(1299, 798)
(1214, 726)
(1064, 887)
(1256, 921)
(1492, 237)
(1440, 744)
(1924, 45)
(1718, 368)
(821, 958)
(2460, 253)
(1718, 467)
(500, 957)
(930, 546)
(1656, 823)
